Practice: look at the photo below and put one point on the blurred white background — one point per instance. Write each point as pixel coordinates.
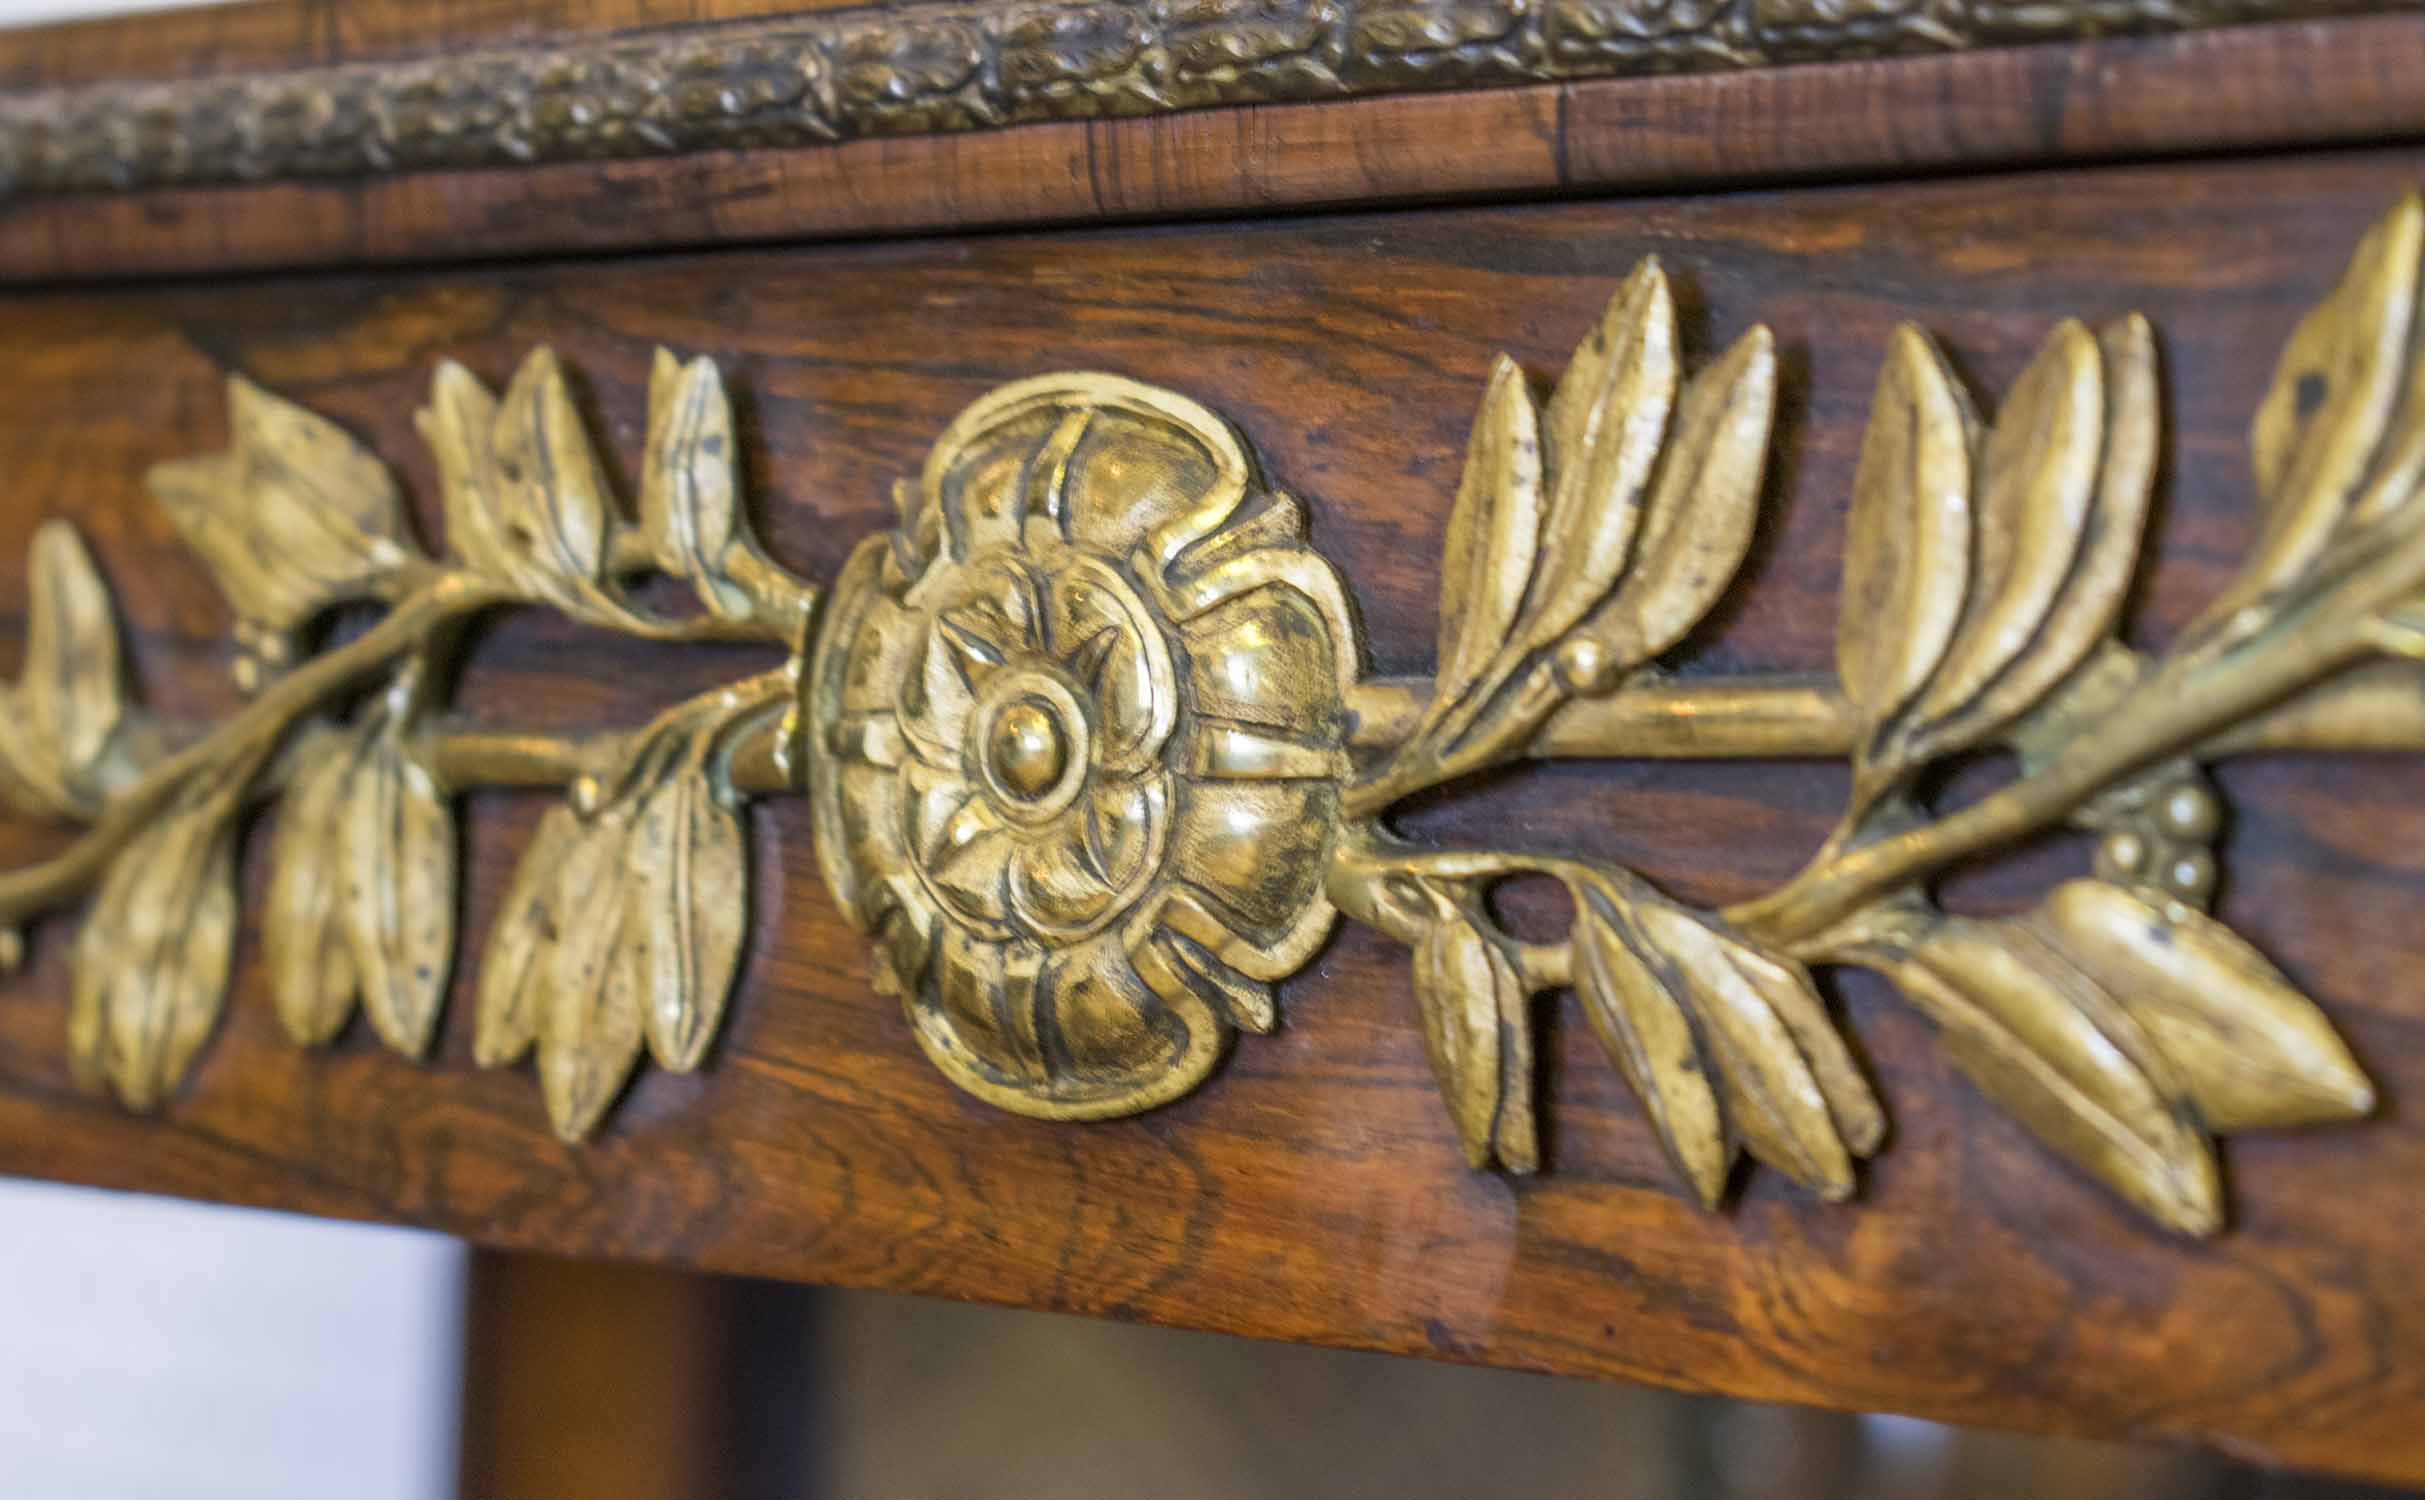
(26, 12)
(158, 1348)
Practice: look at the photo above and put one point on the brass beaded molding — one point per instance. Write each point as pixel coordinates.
(896, 70)
(1093, 759)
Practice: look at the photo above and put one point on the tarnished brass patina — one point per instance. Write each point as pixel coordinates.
(1093, 759)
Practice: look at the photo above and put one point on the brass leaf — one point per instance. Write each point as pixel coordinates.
(397, 855)
(690, 912)
(2252, 1051)
(526, 501)
(2049, 1044)
(1701, 515)
(551, 492)
(2090, 601)
(2398, 468)
(295, 516)
(74, 684)
(1907, 547)
(69, 700)
(459, 425)
(2315, 436)
(1494, 533)
(152, 961)
(689, 502)
(593, 1019)
(1786, 989)
(2037, 478)
(1636, 1008)
(1790, 1088)
(1478, 1038)
(312, 978)
(1607, 420)
(521, 945)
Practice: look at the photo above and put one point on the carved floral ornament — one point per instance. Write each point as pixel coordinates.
(1093, 760)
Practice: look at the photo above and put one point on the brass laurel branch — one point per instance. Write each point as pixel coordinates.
(1984, 581)
(296, 517)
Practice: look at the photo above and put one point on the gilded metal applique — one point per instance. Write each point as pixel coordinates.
(1093, 760)
(1078, 742)
(294, 518)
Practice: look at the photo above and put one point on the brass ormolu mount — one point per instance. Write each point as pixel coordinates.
(1093, 758)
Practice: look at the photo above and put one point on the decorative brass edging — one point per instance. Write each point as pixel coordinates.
(1093, 758)
(838, 75)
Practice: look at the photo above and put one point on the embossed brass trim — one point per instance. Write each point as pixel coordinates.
(845, 74)
(1093, 759)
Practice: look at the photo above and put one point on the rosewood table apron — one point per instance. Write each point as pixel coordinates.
(1721, 695)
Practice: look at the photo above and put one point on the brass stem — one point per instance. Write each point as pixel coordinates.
(2379, 706)
(2187, 700)
(467, 758)
(2215, 698)
(251, 734)
(1537, 697)
(461, 757)
(1360, 863)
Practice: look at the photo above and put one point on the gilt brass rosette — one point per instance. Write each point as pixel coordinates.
(1078, 729)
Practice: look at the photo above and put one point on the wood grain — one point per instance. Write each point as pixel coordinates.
(1312, 1191)
(570, 84)
(2274, 86)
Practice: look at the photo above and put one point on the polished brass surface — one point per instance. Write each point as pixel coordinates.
(971, 65)
(1077, 743)
(1092, 757)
